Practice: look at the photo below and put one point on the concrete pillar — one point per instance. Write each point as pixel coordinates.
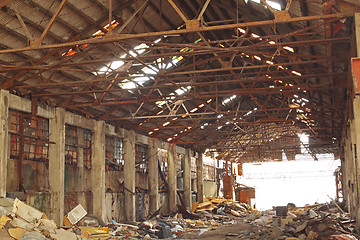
(57, 165)
(356, 105)
(357, 30)
(356, 149)
(129, 175)
(353, 171)
(187, 180)
(199, 178)
(4, 140)
(153, 175)
(172, 178)
(98, 171)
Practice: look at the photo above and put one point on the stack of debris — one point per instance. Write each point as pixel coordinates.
(21, 221)
(320, 221)
(222, 206)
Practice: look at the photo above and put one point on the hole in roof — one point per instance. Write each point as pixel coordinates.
(274, 5)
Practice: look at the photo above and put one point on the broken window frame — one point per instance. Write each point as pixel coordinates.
(78, 141)
(114, 153)
(71, 145)
(141, 158)
(87, 151)
(162, 155)
(29, 137)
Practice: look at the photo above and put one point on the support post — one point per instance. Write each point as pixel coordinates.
(187, 180)
(4, 140)
(129, 175)
(357, 31)
(199, 178)
(172, 178)
(153, 175)
(57, 165)
(356, 143)
(98, 171)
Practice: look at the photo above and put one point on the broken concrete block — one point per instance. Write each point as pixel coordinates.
(17, 222)
(46, 224)
(76, 214)
(26, 212)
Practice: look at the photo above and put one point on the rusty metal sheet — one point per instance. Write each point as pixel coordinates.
(355, 65)
(228, 186)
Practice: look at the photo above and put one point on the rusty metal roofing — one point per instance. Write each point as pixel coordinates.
(238, 77)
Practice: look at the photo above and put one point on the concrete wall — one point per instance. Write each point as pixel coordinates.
(351, 146)
(78, 182)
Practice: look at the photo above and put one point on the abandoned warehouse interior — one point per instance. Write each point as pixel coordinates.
(113, 104)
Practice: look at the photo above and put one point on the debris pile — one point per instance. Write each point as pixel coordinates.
(320, 221)
(21, 221)
(222, 206)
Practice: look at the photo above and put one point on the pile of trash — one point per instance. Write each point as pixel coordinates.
(320, 221)
(21, 221)
(18, 220)
(222, 206)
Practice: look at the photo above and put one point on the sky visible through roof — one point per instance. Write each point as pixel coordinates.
(303, 181)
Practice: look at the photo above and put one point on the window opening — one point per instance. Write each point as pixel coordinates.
(74, 141)
(141, 158)
(29, 137)
(114, 153)
(87, 148)
(162, 153)
(71, 145)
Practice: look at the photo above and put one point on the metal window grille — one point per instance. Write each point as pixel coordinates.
(71, 145)
(141, 158)
(29, 137)
(87, 148)
(114, 153)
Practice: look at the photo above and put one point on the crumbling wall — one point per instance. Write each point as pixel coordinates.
(42, 189)
(77, 188)
(349, 168)
(114, 181)
(115, 207)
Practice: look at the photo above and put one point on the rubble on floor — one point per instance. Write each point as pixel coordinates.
(321, 221)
